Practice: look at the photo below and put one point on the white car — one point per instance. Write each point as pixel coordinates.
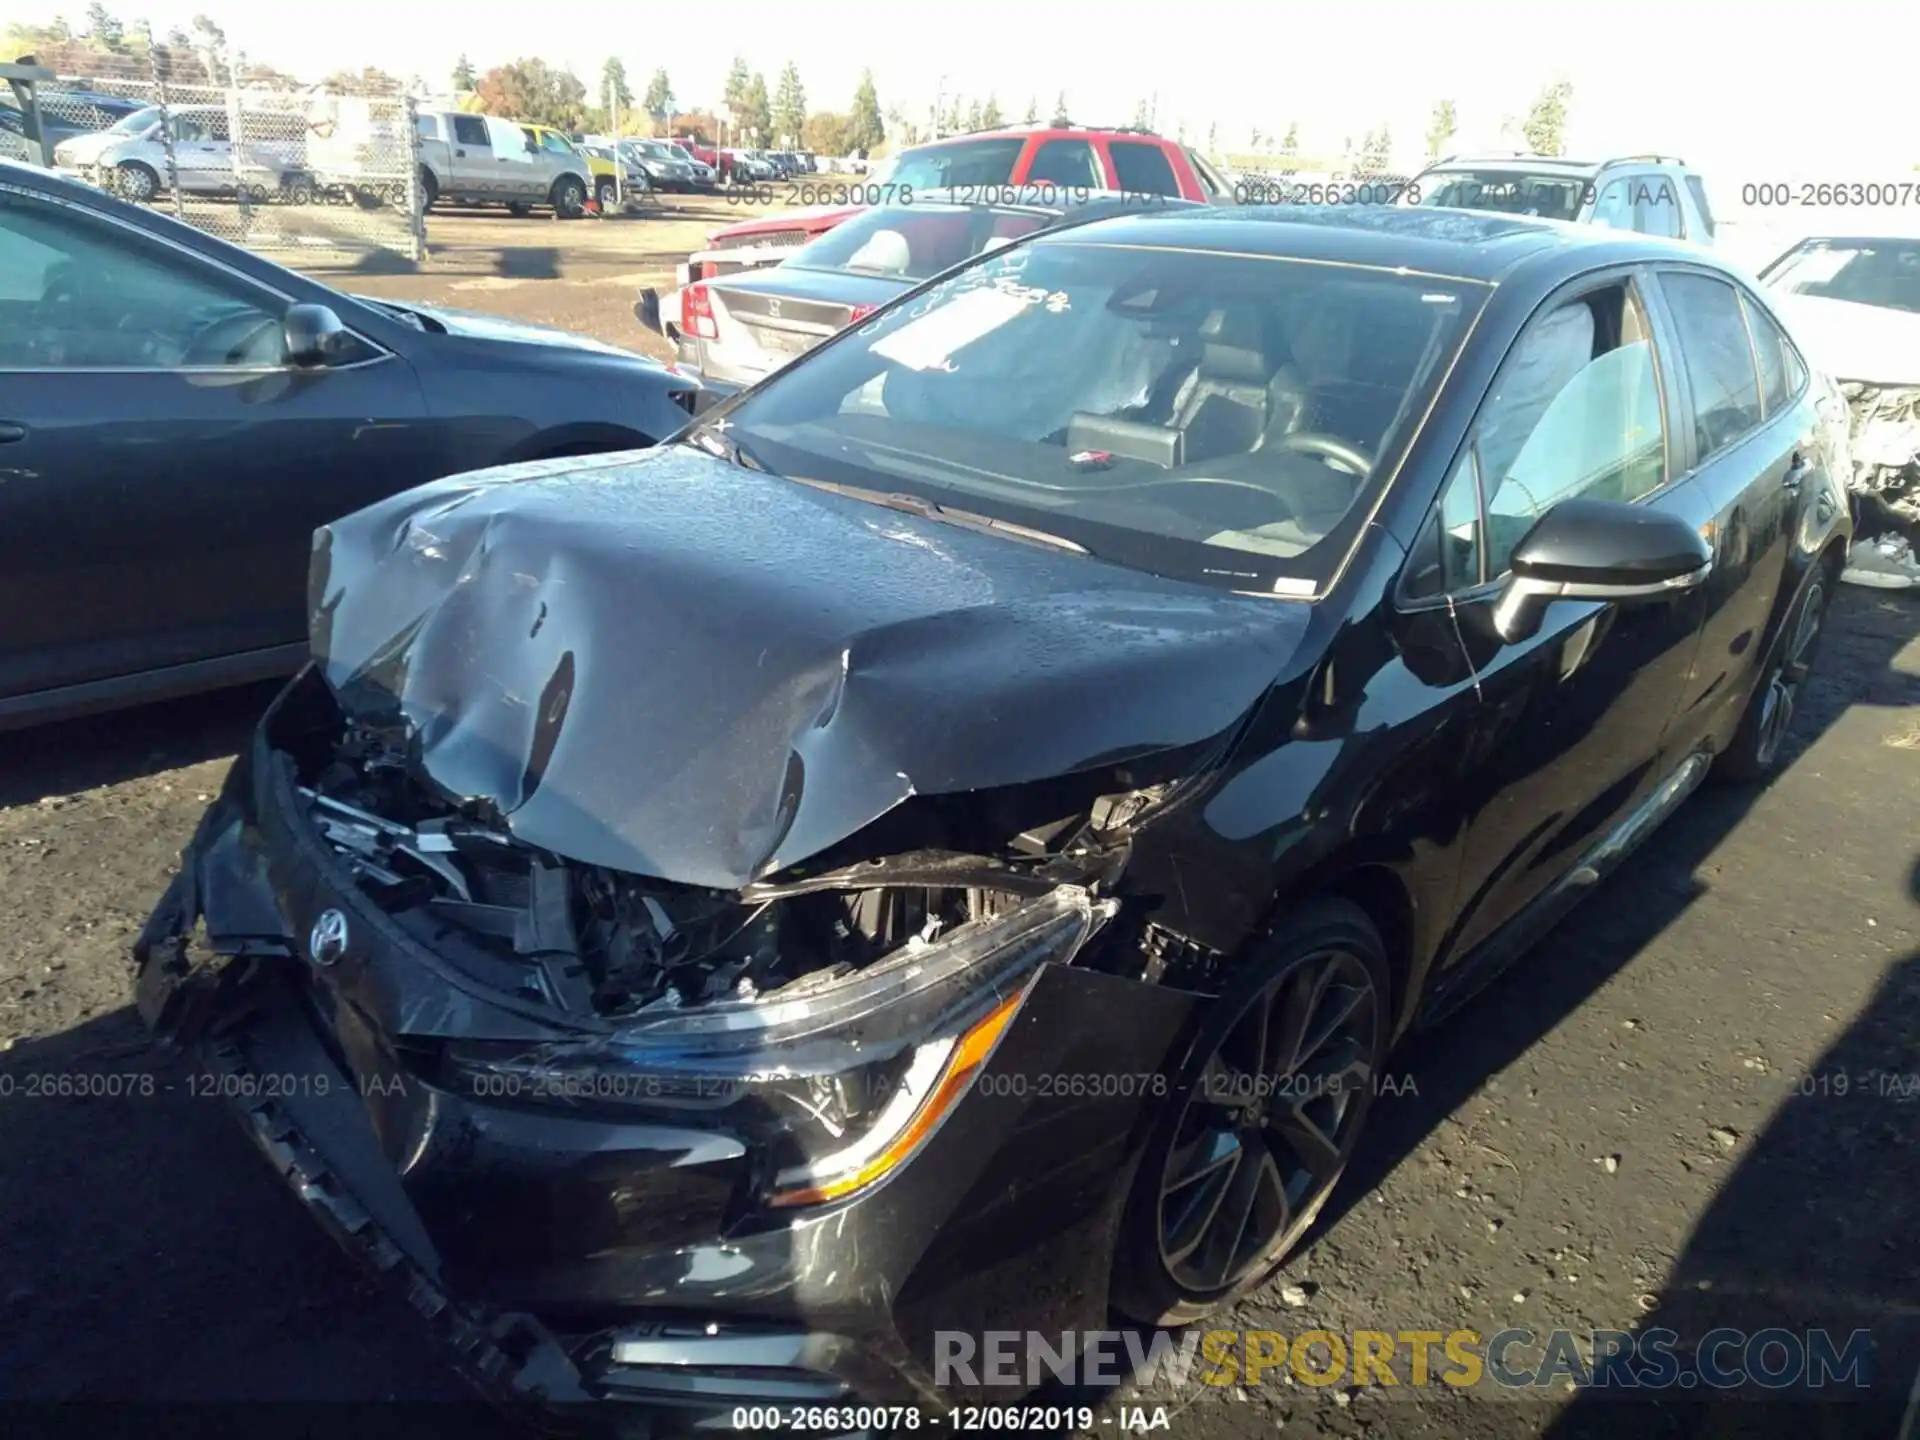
(1853, 302)
(130, 157)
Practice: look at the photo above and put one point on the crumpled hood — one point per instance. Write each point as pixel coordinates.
(1850, 341)
(678, 668)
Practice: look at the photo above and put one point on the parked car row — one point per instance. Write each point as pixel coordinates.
(1189, 649)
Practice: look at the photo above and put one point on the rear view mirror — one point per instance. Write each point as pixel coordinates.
(314, 335)
(1598, 550)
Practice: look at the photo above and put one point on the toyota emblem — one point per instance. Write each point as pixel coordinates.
(327, 941)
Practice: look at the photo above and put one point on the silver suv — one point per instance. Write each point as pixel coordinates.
(1651, 194)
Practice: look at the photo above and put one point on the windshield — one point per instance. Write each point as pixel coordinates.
(968, 162)
(1867, 272)
(1512, 192)
(1208, 416)
(916, 242)
(681, 155)
(135, 123)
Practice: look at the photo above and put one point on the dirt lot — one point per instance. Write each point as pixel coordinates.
(1696, 1105)
(488, 260)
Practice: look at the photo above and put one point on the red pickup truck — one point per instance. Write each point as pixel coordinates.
(1068, 157)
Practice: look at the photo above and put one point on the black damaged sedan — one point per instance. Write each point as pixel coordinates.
(949, 844)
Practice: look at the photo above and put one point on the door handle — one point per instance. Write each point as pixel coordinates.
(461, 153)
(10, 432)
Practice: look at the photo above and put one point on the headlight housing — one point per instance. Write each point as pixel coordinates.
(840, 1078)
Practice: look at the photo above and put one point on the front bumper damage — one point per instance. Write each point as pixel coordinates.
(571, 1249)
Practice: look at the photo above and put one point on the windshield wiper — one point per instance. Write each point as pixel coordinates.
(932, 510)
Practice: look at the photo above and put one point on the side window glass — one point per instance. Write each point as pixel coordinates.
(1142, 169)
(1068, 163)
(1719, 360)
(509, 141)
(1769, 351)
(83, 295)
(1614, 207)
(1656, 206)
(469, 130)
(1447, 556)
(1574, 412)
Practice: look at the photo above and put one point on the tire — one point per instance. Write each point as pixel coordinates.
(1754, 752)
(568, 197)
(608, 195)
(1169, 1270)
(135, 182)
(429, 188)
(519, 207)
(297, 190)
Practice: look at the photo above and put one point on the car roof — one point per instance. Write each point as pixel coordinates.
(1043, 132)
(1521, 164)
(1461, 244)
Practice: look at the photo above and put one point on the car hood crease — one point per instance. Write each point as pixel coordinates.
(682, 669)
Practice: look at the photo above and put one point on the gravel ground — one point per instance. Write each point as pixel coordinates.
(1686, 1108)
(581, 275)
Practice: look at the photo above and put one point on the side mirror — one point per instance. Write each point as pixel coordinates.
(314, 335)
(1598, 550)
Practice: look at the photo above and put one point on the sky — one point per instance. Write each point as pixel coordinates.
(1746, 94)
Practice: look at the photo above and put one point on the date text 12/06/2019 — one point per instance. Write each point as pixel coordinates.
(961, 1420)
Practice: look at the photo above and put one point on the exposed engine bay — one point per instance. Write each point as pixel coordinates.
(586, 939)
(1884, 442)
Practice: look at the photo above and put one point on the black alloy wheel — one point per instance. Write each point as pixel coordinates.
(1278, 1083)
(1757, 745)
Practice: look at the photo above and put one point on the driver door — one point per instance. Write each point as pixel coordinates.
(161, 471)
(1568, 737)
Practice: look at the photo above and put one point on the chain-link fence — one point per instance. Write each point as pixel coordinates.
(272, 166)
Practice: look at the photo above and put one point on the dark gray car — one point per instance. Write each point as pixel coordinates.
(177, 417)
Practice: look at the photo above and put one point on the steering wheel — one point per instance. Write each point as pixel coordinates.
(1342, 453)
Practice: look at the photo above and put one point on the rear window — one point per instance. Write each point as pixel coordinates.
(966, 162)
(915, 242)
(1142, 169)
(1511, 192)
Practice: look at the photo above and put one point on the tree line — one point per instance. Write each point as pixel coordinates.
(530, 88)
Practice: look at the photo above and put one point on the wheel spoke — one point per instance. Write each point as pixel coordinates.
(1228, 1230)
(1296, 1002)
(1311, 1145)
(1194, 1223)
(1338, 1005)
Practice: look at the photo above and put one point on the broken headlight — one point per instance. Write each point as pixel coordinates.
(840, 1077)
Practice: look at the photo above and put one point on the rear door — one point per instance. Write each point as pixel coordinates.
(161, 470)
(1569, 736)
(1753, 457)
